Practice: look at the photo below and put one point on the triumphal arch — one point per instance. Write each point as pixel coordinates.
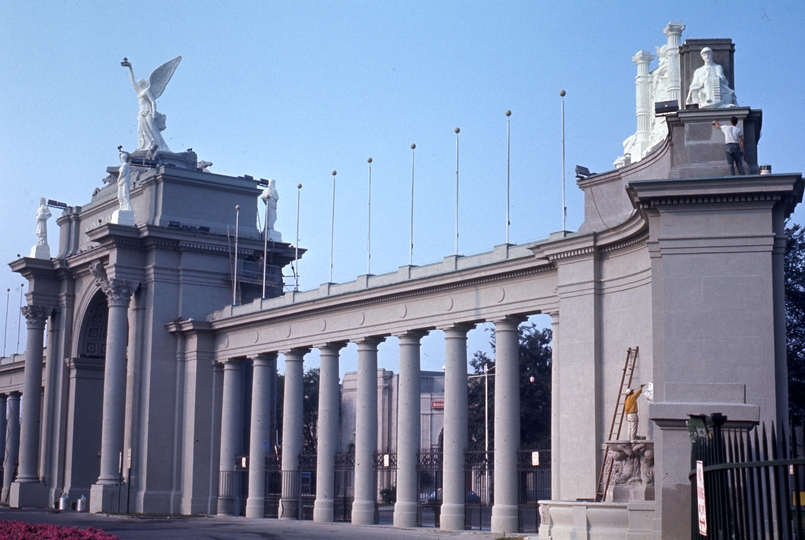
(159, 373)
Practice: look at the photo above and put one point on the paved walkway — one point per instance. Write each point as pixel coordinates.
(230, 528)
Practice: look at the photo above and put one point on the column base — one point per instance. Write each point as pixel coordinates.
(107, 498)
(364, 513)
(323, 511)
(256, 507)
(226, 506)
(28, 495)
(289, 509)
(504, 519)
(453, 518)
(405, 514)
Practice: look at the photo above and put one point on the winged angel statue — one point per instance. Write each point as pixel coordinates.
(150, 122)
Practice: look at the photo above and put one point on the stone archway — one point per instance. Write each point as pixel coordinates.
(85, 402)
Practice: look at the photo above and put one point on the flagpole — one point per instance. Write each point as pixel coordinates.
(411, 241)
(332, 229)
(296, 248)
(369, 225)
(235, 273)
(562, 94)
(508, 171)
(457, 130)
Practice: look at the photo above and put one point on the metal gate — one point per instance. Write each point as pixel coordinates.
(307, 485)
(478, 471)
(534, 484)
(386, 467)
(273, 486)
(344, 494)
(429, 480)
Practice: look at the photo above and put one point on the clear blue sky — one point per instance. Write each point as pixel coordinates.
(292, 90)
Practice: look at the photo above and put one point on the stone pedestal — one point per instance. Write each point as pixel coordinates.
(40, 251)
(108, 498)
(123, 217)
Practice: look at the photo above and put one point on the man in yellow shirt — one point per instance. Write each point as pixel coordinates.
(630, 410)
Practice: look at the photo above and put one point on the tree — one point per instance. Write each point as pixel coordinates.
(795, 317)
(535, 391)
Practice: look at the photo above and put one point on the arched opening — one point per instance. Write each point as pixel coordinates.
(85, 403)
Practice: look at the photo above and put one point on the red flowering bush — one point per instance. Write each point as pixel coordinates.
(18, 530)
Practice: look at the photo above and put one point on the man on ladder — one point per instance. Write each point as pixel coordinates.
(630, 409)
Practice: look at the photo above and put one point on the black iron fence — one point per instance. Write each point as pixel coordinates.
(478, 470)
(344, 467)
(534, 484)
(750, 482)
(429, 480)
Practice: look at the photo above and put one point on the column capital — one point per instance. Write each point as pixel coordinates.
(297, 354)
(118, 291)
(457, 328)
(263, 358)
(369, 341)
(642, 57)
(230, 363)
(509, 320)
(674, 28)
(332, 347)
(14, 395)
(36, 316)
(410, 336)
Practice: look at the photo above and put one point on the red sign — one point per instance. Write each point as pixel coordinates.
(437, 404)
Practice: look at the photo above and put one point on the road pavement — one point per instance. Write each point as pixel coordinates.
(129, 527)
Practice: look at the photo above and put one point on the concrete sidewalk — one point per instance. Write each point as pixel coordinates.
(230, 528)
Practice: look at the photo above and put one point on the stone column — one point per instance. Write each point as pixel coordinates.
(454, 490)
(673, 32)
(231, 434)
(507, 424)
(556, 410)
(12, 450)
(3, 430)
(643, 102)
(36, 316)
(327, 436)
(408, 429)
(292, 425)
(264, 367)
(365, 504)
(104, 493)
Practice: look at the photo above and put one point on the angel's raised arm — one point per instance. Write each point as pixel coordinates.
(126, 63)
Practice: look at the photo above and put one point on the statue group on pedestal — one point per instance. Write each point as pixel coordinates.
(150, 122)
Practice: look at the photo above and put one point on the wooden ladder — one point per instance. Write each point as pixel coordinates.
(617, 423)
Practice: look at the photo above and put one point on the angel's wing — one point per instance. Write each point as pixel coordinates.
(160, 76)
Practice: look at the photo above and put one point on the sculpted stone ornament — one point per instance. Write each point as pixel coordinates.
(36, 316)
(633, 471)
(270, 197)
(124, 214)
(41, 250)
(118, 291)
(151, 123)
(709, 88)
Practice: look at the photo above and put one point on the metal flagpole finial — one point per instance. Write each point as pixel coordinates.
(508, 112)
(413, 146)
(369, 160)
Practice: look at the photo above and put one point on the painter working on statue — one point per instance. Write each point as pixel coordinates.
(734, 140)
(630, 410)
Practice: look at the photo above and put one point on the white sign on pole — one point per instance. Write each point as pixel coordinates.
(700, 497)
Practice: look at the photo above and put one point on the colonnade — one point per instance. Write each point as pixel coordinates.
(364, 506)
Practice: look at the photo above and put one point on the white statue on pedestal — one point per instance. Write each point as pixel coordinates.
(270, 197)
(42, 250)
(150, 122)
(124, 215)
(709, 88)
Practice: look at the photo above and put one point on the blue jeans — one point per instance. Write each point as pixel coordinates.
(734, 157)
